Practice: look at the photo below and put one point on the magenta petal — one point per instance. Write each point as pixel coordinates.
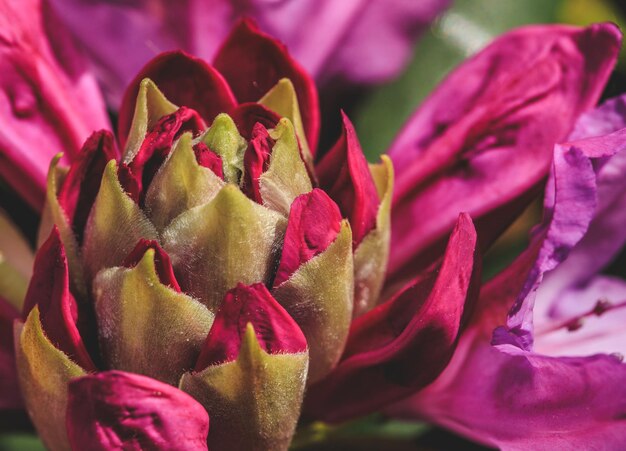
(185, 81)
(314, 223)
(81, 185)
(162, 262)
(344, 174)
(253, 62)
(118, 410)
(49, 290)
(10, 397)
(519, 400)
(256, 160)
(48, 100)
(275, 330)
(157, 145)
(209, 159)
(403, 345)
(500, 113)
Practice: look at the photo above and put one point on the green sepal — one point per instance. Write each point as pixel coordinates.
(16, 262)
(146, 327)
(319, 297)
(224, 139)
(180, 184)
(286, 177)
(283, 100)
(150, 106)
(254, 402)
(372, 255)
(44, 372)
(54, 215)
(229, 240)
(115, 225)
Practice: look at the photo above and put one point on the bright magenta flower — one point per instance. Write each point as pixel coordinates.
(214, 254)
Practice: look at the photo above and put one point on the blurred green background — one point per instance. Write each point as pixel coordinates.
(378, 116)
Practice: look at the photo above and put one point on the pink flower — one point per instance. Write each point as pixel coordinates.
(330, 39)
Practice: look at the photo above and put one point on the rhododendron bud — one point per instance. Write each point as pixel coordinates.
(210, 254)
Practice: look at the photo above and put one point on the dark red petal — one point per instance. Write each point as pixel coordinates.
(344, 174)
(403, 344)
(185, 81)
(253, 62)
(209, 159)
(275, 330)
(314, 223)
(81, 185)
(130, 183)
(10, 397)
(49, 289)
(162, 262)
(118, 410)
(157, 145)
(247, 115)
(256, 160)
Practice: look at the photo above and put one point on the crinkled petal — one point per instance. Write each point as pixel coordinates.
(402, 345)
(185, 81)
(500, 113)
(118, 410)
(253, 62)
(518, 400)
(569, 205)
(49, 102)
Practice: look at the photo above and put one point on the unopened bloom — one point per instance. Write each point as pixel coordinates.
(215, 256)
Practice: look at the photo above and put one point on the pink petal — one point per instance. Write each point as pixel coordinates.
(185, 81)
(82, 183)
(49, 290)
(118, 410)
(314, 223)
(499, 114)
(162, 262)
(10, 397)
(344, 174)
(403, 345)
(49, 102)
(275, 330)
(253, 62)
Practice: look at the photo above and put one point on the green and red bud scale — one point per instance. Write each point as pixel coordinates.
(213, 272)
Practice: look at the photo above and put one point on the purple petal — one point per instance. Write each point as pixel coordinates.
(518, 400)
(48, 101)
(500, 114)
(118, 410)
